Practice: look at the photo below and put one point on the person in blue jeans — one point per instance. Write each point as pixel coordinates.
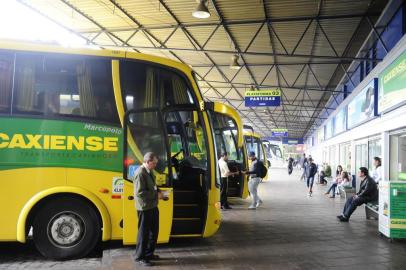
(336, 182)
(368, 192)
(311, 172)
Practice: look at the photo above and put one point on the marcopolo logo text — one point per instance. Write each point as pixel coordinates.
(58, 142)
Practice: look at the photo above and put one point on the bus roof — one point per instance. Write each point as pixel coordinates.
(253, 134)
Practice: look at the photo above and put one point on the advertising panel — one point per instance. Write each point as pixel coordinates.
(340, 121)
(392, 84)
(54, 143)
(392, 214)
(362, 107)
(320, 135)
(329, 129)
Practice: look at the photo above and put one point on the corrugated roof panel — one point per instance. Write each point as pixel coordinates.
(147, 12)
(260, 72)
(103, 12)
(241, 9)
(220, 41)
(291, 72)
(202, 33)
(291, 8)
(243, 34)
(179, 40)
(61, 13)
(214, 75)
(333, 7)
(183, 10)
(305, 45)
(289, 34)
(243, 76)
(340, 31)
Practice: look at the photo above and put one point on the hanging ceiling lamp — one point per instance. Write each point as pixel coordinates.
(234, 62)
(201, 11)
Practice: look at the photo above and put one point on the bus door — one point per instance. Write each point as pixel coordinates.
(191, 180)
(227, 135)
(145, 131)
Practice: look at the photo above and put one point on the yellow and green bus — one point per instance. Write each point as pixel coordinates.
(253, 143)
(74, 125)
(229, 138)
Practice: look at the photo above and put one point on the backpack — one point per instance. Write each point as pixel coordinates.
(261, 169)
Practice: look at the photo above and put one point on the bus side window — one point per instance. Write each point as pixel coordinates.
(67, 86)
(6, 81)
(138, 84)
(173, 89)
(142, 90)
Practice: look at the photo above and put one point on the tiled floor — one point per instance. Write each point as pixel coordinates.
(290, 231)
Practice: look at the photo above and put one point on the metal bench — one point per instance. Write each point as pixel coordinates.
(346, 192)
(372, 210)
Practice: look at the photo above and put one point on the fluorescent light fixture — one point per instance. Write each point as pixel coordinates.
(201, 11)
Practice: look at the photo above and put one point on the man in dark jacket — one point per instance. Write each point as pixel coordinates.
(147, 194)
(311, 172)
(368, 192)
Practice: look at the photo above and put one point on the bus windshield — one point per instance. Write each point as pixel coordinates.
(226, 136)
(254, 144)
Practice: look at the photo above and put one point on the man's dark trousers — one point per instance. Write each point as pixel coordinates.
(351, 204)
(148, 228)
(223, 191)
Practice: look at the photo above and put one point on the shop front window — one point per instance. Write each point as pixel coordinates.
(397, 161)
(374, 150)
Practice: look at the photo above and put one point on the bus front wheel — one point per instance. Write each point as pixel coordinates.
(66, 228)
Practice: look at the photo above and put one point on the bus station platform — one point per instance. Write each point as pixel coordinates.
(289, 231)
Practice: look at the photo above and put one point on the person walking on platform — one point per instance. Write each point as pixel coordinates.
(290, 165)
(146, 196)
(254, 181)
(312, 170)
(304, 164)
(368, 192)
(224, 174)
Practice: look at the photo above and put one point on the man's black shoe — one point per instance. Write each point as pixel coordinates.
(340, 216)
(144, 262)
(227, 207)
(153, 257)
(343, 219)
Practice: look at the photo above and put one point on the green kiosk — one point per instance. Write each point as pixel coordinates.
(392, 193)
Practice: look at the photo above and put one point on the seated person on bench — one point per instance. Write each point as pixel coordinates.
(345, 180)
(368, 192)
(336, 182)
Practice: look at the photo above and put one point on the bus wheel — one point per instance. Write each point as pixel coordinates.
(66, 228)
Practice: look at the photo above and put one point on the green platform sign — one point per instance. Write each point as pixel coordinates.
(392, 84)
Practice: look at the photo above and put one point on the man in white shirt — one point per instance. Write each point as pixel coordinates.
(224, 174)
(377, 171)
